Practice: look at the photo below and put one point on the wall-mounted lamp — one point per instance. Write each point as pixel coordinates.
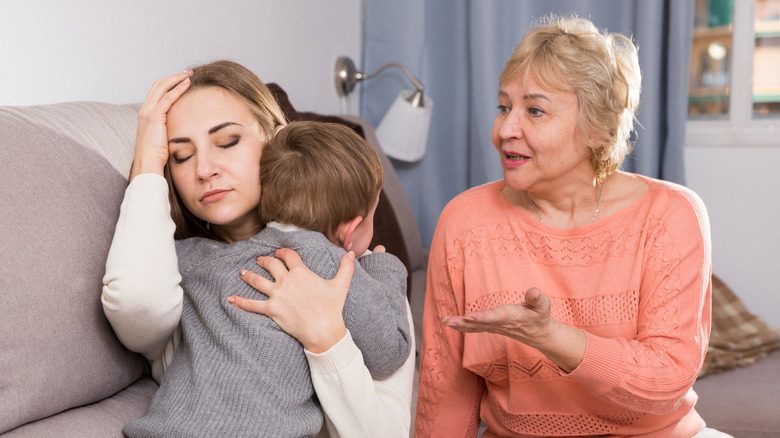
(403, 132)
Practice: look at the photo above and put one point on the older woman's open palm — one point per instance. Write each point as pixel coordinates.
(528, 322)
(523, 321)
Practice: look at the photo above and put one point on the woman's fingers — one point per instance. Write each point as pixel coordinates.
(303, 304)
(289, 257)
(173, 94)
(151, 143)
(274, 266)
(523, 321)
(258, 282)
(532, 296)
(162, 95)
(162, 86)
(255, 306)
(285, 259)
(537, 301)
(484, 321)
(346, 270)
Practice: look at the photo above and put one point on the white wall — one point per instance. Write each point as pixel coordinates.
(741, 188)
(56, 50)
(64, 50)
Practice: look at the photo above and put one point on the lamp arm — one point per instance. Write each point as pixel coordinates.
(360, 76)
(347, 76)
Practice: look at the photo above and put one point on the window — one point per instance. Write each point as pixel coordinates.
(734, 83)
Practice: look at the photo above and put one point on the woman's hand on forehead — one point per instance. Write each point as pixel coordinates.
(151, 141)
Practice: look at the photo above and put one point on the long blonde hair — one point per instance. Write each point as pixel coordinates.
(245, 85)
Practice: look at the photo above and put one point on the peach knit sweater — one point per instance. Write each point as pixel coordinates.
(637, 282)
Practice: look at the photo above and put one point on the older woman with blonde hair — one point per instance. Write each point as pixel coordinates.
(569, 298)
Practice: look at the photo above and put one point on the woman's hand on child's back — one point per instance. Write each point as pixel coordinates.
(302, 303)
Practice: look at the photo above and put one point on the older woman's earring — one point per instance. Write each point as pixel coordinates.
(208, 226)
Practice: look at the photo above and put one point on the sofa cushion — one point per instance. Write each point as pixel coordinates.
(63, 175)
(104, 419)
(743, 401)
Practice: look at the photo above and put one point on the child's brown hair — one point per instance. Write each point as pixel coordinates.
(318, 175)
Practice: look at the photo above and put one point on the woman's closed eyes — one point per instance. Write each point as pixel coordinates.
(180, 157)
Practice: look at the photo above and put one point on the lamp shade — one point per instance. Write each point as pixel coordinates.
(403, 132)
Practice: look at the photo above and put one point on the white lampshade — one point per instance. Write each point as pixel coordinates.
(403, 132)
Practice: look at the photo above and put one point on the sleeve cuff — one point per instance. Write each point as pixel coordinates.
(336, 358)
(602, 367)
(382, 261)
(147, 181)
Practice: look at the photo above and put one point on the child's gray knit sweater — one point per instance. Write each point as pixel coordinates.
(236, 373)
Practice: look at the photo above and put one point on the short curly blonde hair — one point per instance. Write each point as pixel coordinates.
(570, 54)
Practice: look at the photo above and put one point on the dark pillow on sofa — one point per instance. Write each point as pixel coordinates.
(738, 337)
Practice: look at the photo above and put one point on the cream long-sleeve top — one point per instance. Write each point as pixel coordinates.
(142, 300)
(638, 282)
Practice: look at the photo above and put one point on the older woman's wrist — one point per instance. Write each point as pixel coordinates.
(565, 346)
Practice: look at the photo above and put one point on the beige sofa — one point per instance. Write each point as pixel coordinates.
(64, 169)
(63, 173)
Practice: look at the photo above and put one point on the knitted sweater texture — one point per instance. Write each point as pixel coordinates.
(637, 282)
(237, 373)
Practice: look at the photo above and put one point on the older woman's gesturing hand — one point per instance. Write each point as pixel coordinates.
(151, 141)
(528, 322)
(303, 304)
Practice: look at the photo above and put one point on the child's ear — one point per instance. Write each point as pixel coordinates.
(346, 230)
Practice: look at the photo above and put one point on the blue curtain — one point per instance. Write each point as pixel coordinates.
(457, 48)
